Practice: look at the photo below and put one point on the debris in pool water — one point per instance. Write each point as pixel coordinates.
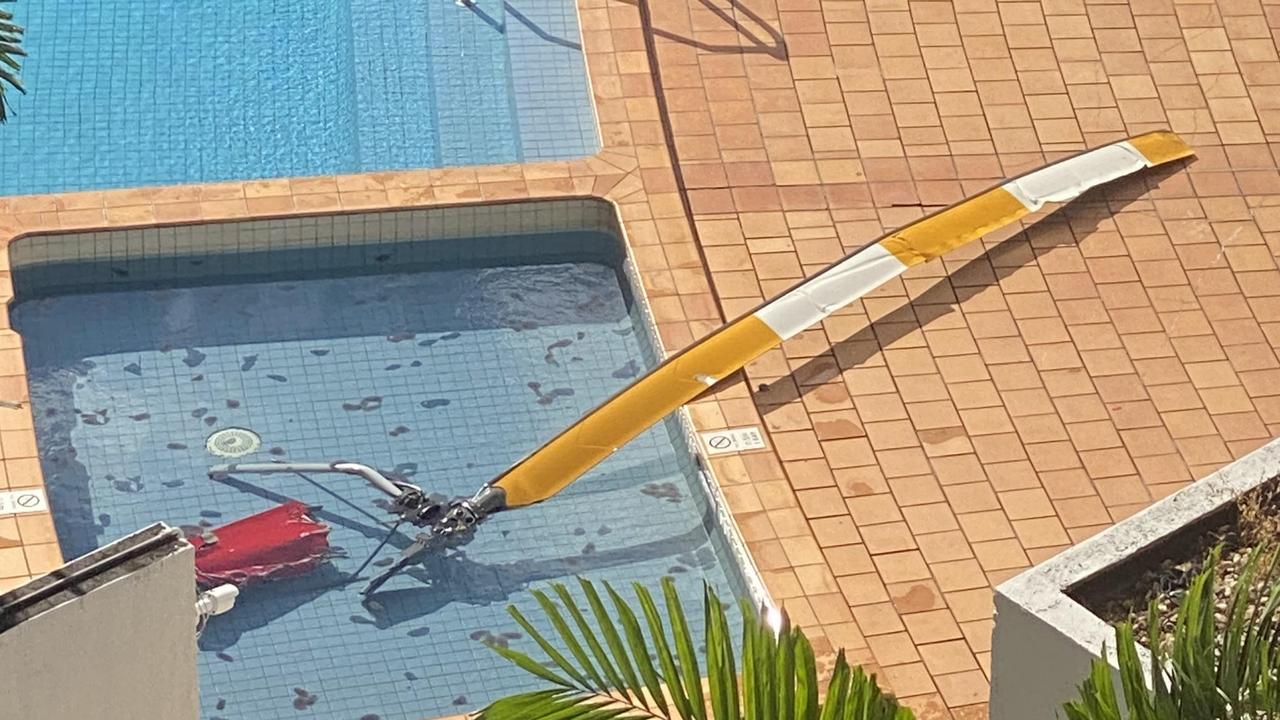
(382, 258)
(575, 358)
(308, 698)
(460, 700)
(589, 549)
(416, 364)
(277, 450)
(199, 412)
(604, 530)
(370, 716)
(479, 634)
(663, 491)
(361, 620)
(549, 397)
(140, 417)
(278, 378)
(622, 332)
(133, 369)
(222, 704)
(398, 430)
(51, 412)
(89, 419)
(119, 272)
(319, 353)
(676, 569)
(197, 378)
(401, 336)
(581, 335)
(224, 657)
(428, 342)
(129, 485)
(550, 357)
(368, 404)
(522, 325)
(104, 520)
(174, 483)
(204, 523)
(211, 420)
(434, 403)
(451, 336)
(393, 366)
(233, 404)
(194, 358)
(176, 446)
(419, 632)
(248, 362)
(383, 562)
(579, 531)
(630, 370)
(210, 514)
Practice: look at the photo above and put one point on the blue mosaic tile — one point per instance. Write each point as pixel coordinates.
(462, 371)
(124, 96)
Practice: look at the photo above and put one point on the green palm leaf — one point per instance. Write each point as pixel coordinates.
(10, 51)
(633, 661)
(1220, 664)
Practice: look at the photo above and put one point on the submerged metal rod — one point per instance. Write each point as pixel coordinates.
(374, 477)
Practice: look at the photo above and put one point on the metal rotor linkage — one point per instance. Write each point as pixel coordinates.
(447, 523)
(455, 529)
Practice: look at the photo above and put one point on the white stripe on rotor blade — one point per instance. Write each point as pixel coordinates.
(830, 290)
(1069, 178)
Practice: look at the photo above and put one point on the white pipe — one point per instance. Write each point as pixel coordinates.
(374, 477)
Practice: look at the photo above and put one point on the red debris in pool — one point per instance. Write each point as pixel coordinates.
(282, 542)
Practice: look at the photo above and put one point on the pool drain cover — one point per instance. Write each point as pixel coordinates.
(233, 442)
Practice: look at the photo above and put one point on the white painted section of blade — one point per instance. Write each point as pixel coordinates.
(830, 290)
(1070, 178)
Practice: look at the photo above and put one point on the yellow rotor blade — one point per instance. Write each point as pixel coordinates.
(690, 372)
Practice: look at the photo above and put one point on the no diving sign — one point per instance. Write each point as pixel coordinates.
(23, 501)
(732, 440)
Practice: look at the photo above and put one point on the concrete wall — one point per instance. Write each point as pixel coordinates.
(1044, 642)
(1036, 665)
(125, 650)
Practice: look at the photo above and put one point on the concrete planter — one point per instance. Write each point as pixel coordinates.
(1045, 640)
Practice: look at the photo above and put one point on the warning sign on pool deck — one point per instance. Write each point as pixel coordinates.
(23, 501)
(732, 440)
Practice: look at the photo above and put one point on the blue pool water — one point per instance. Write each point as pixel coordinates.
(127, 385)
(133, 94)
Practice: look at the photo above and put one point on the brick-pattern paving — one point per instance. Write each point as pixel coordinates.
(965, 421)
(981, 414)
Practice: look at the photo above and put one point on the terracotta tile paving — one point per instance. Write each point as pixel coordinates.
(963, 422)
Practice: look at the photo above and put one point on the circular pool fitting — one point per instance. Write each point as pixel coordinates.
(233, 442)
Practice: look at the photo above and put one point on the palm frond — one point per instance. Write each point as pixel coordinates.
(637, 661)
(10, 66)
(1220, 664)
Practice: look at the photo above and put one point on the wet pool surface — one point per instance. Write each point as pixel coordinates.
(446, 376)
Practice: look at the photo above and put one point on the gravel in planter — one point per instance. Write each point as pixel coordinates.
(1255, 523)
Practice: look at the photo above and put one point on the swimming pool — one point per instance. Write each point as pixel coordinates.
(445, 360)
(134, 94)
